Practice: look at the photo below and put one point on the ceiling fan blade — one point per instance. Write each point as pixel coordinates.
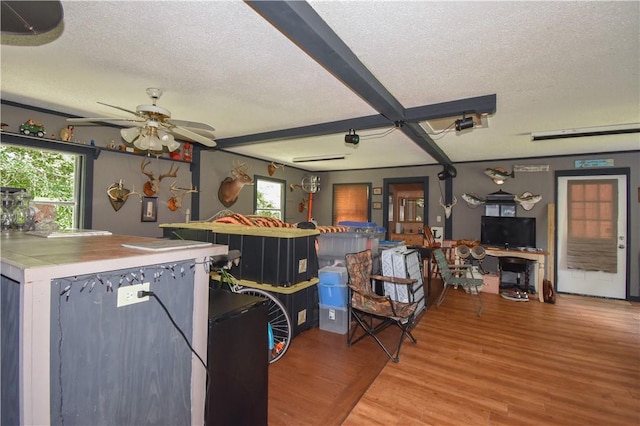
(193, 125)
(136, 113)
(103, 119)
(202, 129)
(188, 134)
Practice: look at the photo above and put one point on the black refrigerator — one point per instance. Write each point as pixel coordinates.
(237, 359)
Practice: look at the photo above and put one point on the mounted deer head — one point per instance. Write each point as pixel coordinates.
(175, 202)
(272, 167)
(153, 185)
(118, 194)
(447, 208)
(231, 185)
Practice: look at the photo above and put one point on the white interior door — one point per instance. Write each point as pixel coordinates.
(585, 280)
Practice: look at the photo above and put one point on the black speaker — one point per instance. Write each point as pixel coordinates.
(448, 171)
(464, 123)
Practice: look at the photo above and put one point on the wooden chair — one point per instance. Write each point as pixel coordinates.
(456, 275)
(372, 312)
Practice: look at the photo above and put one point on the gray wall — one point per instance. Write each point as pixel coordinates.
(471, 178)
(216, 165)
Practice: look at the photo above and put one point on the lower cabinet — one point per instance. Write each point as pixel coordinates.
(237, 360)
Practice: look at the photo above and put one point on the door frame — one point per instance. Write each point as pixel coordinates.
(626, 171)
(386, 182)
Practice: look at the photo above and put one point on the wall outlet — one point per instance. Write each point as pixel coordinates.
(438, 219)
(128, 294)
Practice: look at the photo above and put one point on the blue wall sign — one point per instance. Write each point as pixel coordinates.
(581, 164)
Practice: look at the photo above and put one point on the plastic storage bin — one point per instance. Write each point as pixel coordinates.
(302, 306)
(359, 226)
(333, 275)
(331, 261)
(333, 295)
(340, 243)
(280, 261)
(335, 320)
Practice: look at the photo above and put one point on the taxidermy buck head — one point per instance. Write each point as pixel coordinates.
(153, 184)
(448, 207)
(272, 167)
(118, 194)
(175, 202)
(231, 185)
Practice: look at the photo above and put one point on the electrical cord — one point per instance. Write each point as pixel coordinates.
(377, 135)
(143, 293)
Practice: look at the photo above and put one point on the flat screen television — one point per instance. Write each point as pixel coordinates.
(508, 232)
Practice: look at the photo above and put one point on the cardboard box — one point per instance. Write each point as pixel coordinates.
(491, 284)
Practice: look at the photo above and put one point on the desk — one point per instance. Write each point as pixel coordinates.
(538, 258)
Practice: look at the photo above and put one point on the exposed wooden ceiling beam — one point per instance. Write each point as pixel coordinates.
(303, 26)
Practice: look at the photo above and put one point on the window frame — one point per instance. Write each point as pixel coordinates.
(86, 156)
(283, 200)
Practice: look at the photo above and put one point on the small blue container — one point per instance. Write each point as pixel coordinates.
(333, 295)
(333, 275)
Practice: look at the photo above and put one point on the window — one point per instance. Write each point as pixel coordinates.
(51, 177)
(351, 202)
(592, 225)
(269, 197)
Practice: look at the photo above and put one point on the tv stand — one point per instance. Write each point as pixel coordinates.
(537, 257)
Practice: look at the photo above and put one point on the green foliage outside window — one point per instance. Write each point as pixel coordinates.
(269, 196)
(48, 176)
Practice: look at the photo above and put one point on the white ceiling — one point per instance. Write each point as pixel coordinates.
(551, 65)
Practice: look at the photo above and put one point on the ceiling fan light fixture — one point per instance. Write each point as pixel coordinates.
(168, 140)
(130, 134)
(149, 141)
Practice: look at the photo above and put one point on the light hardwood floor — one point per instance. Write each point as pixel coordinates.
(573, 363)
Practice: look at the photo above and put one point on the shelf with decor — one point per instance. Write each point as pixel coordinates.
(94, 151)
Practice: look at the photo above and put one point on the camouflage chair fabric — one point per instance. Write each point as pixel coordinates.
(365, 302)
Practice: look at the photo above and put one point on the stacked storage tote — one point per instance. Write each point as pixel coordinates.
(334, 294)
(401, 262)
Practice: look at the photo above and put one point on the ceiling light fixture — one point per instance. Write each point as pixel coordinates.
(150, 138)
(615, 129)
(464, 123)
(352, 139)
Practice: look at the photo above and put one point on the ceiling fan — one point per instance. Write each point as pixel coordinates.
(155, 129)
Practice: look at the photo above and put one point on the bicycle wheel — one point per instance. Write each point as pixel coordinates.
(279, 321)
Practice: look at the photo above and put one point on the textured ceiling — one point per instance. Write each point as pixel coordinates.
(551, 65)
